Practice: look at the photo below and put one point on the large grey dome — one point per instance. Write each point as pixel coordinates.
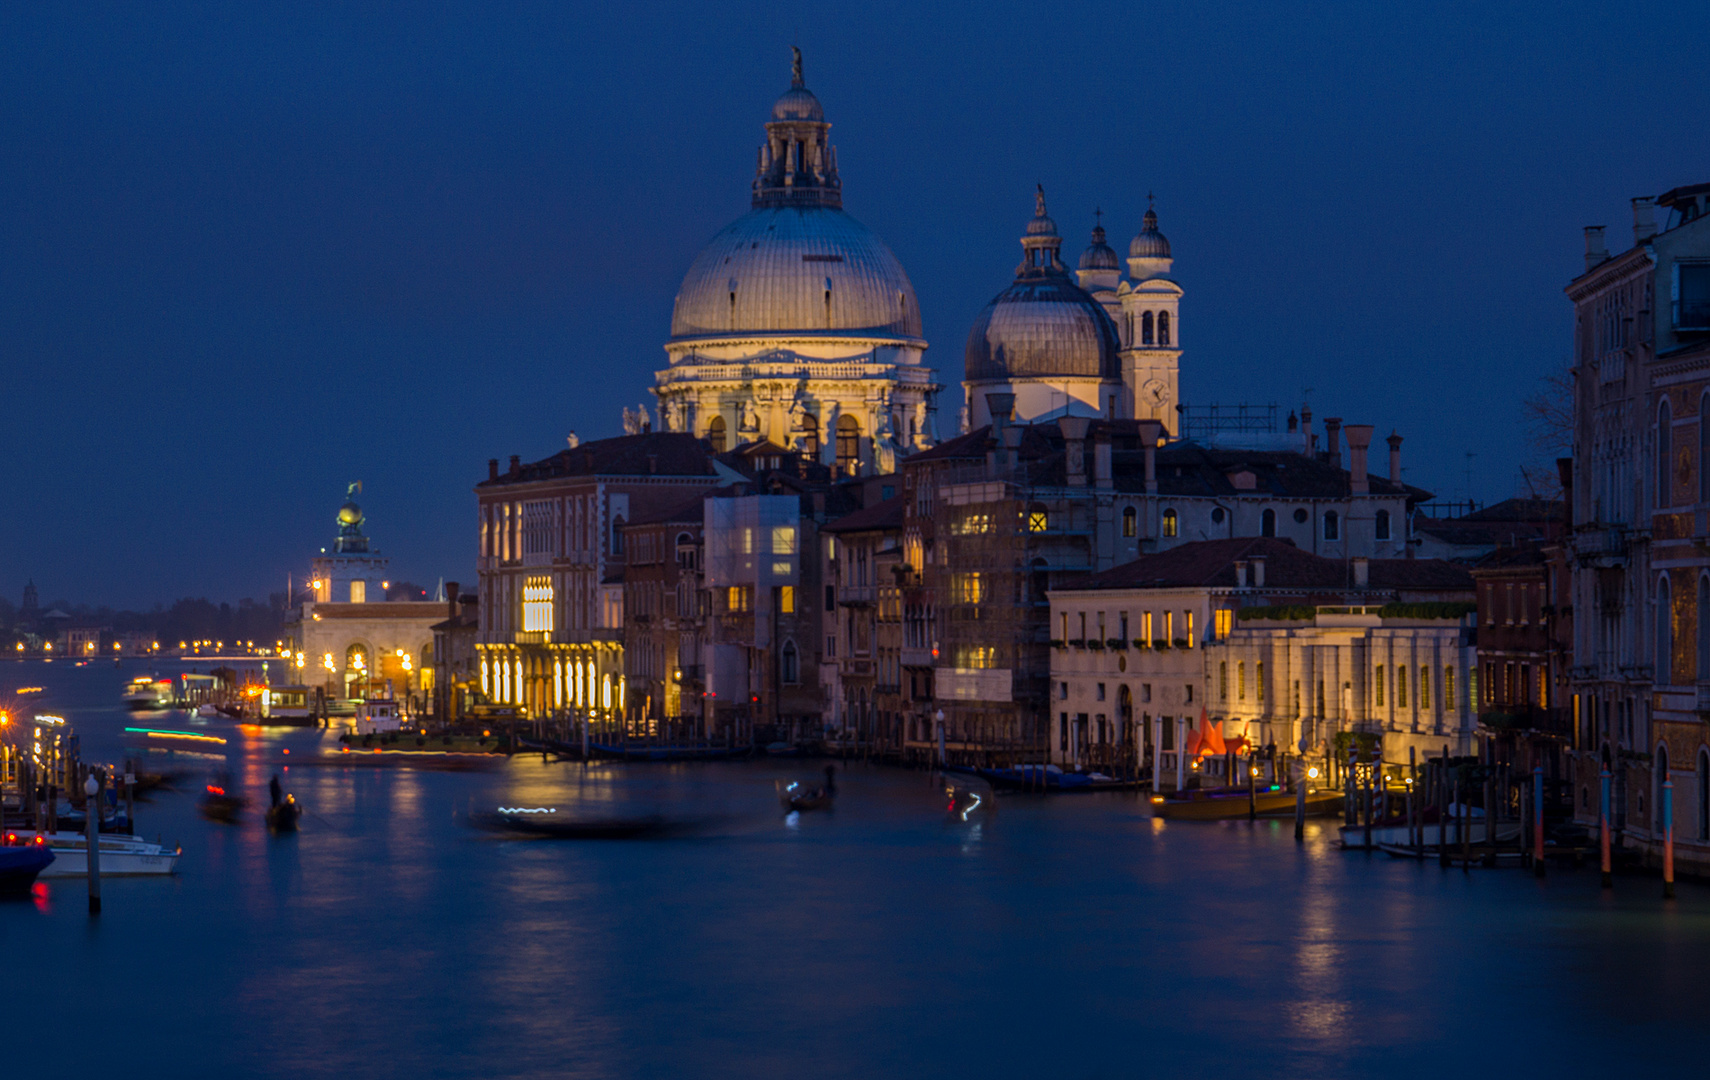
(796, 271)
(1042, 327)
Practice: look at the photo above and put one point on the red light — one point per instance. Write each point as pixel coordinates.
(212, 790)
(287, 749)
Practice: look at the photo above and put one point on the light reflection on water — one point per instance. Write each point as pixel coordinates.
(886, 936)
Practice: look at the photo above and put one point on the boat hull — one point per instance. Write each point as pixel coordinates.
(19, 867)
(1432, 836)
(121, 856)
(1224, 806)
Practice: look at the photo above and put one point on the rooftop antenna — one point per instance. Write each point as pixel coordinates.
(1468, 481)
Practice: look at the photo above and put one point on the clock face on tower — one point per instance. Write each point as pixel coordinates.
(1154, 392)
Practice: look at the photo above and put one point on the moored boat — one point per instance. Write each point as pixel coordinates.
(797, 797)
(282, 816)
(1047, 778)
(1216, 804)
(220, 805)
(121, 856)
(146, 693)
(643, 752)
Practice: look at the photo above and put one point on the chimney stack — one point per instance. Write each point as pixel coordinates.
(998, 407)
(452, 588)
(1644, 219)
(1333, 440)
(1359, 441)
(1394, 457)
(1595, 251)
(1149, 430)
(1362, 572)
(1102, 476)
(1074, 429)
(1258, 572)
(1240, 573)
(516, 464)
(492, 468)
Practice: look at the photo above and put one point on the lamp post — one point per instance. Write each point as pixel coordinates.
(92, 830)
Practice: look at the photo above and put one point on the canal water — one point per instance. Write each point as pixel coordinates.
(1068, 937)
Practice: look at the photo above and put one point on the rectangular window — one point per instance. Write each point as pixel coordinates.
(781, 569)
(1146, 628)
(737, 598)
(1472, 683)
(1448, 688)
(1225, 623)
(1241, 681)
(1400, 686)
(1146, 691)
(1170, 626)
(967, 588)
(1223, 680)
(786, 599)
(747, 541)
(537, 604)
(1101, 691)
(1259, 679)
(831, 646)
(1424, 688)
(1189, 696)
(1062, 691)
(1122, 627)
(1377, 685)
(359, 592)
(1063, 733)
(783, 539)
(1187, 621)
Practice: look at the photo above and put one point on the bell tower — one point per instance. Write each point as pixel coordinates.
(1151, 327)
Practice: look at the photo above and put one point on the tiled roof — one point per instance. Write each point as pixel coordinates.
(1211, 564)
(886, 515)
(664, 453)
(691, 511)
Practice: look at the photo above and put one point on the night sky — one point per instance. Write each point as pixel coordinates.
(248, 256)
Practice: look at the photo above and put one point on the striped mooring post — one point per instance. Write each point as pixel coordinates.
(1603, 827)
(1538, 820)
(1668, 837)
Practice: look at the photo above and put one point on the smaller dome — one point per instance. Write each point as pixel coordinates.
(1040, 224)
(1099, 255)
(1150, 244)
(798, 103)
(350, 514)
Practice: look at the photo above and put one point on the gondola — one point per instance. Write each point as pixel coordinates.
(546, 824)
(282, 816)
(1218, 804)
(643, 752)
(218, 805)
(1050, 779)
(797, 797)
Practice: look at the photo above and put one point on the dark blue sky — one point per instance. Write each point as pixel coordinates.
(247, 256)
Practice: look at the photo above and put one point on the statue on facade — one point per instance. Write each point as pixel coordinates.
(637, 421)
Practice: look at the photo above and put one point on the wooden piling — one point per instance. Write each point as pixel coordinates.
(1603, 827)
(92, 829)
(1538, 820)
(1668, 837)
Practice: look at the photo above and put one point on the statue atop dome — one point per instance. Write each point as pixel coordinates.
(350, 519)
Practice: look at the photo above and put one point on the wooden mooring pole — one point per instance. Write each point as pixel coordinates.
(92, 829)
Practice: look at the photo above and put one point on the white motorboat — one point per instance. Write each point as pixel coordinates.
(377, 715)
(146, 693)
(121, 855)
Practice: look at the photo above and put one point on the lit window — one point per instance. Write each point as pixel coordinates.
(1129, 519)
(1225, 622)
(737, 598)
(787, 603)
(968, 588)
(1169, 523)
(783, 540)
(359, 592)
(537, 604)
(782, 569)
(1038, 521)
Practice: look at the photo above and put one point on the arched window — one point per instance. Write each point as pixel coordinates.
(789, 665)
(1163, 328)
(848, 445)
(1169, 523)
(1665, 635)
(807, 435)
(715, 434)
(1383, 524)
(1146, 328)
(1665, 447)
(1130, 520)
(1332, 525)
(1268, 522)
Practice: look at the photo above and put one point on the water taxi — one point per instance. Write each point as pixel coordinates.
(1215, 804)
(378, 715)
(148, 693)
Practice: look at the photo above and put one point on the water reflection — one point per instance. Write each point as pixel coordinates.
(892, 936)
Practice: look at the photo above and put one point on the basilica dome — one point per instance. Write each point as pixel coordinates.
(1043, 325)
